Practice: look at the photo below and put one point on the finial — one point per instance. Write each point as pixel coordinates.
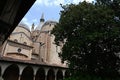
(33, 25)
(32, 28)
(42, 16)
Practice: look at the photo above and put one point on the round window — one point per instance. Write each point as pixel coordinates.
(19, 50)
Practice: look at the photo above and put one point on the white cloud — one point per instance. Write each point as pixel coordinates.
(25, 20)
(39, 1)
(76, 1)
(49, 2)
(34, 20)
(58, 2)
(52, 2)
(29, 22)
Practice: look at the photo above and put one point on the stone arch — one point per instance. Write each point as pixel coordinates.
(40, 75)
(67, 74)
(51, 75)
(59, 75)
(27, 73)
(11, 72)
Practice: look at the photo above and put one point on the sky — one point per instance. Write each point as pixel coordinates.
(50, 9)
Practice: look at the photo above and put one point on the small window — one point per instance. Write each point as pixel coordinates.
(15, 40)
(25, 43)
(19, 50)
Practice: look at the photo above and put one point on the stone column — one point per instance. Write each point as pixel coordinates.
(19, 77)
(55, 77)
(63, 71)
(35, 71)
(56, 70)
(46, 73)
(3, 68)
(63, 77)
(21, 68)
(33, 77)
(1, 77)
(45, 77)
(20, 73)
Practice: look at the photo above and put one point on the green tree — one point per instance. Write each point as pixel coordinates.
(114, 4)
(90, 33)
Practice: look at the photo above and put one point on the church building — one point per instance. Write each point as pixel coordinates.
(32, 54)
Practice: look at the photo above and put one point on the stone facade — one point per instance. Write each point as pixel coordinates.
(32, 55)
(37, 44)
(19, 44)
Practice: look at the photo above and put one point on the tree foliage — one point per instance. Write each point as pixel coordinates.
(90, 33)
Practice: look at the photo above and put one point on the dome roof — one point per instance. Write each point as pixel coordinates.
(50, 22)
(48, 25)
(22, 24)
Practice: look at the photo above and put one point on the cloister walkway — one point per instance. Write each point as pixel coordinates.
(27, 70)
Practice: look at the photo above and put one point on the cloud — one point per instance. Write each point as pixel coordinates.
(25, 20)
(76, 1)
(46, 3)
(39, 1)
(29, 23)
(58, 2)
(34, 20)
(49, 2)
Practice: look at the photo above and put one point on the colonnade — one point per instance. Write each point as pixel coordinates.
(18, 71)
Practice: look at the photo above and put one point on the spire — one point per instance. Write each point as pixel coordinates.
(42, 18)
(41, 22)
(33, 25)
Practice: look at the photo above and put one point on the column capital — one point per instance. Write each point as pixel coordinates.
(46, 71)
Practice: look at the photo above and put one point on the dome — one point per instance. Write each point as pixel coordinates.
(21, 24)
(48, 25)
(49, 22)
